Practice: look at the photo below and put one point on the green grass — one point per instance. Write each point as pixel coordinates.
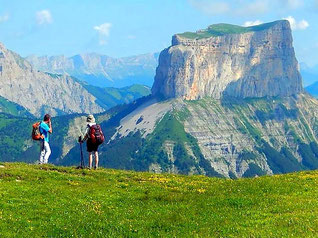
(110, 97)
(225, 29)
(48, 201)
(12, 108)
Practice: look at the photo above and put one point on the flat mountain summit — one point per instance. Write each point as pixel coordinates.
(222, 29)
(228, 60)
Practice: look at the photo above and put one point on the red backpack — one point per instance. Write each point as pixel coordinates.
(36, 135)
(96, 134)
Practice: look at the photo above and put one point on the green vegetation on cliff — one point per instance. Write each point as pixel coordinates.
(225, 29)
(12, 108)
(49, 201)
(14, 132)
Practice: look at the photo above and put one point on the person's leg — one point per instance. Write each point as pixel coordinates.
(42, 152)
(47, 152)
(96, 159)
(90, 159)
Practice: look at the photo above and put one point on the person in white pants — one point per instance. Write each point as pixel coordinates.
(45, 130)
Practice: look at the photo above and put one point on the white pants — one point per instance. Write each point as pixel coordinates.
(45, 152)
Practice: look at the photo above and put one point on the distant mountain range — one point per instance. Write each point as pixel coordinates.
(101, 70)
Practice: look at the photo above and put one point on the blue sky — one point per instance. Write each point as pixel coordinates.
(128, 27)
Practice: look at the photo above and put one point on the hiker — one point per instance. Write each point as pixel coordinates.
(45, 128)
(94, 137)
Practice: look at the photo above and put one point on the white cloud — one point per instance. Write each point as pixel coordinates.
(4, 18)
(43, 17)
(103, 31)
(252, 23)
(300, 25)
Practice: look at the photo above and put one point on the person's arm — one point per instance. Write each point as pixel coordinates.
(86, 135)
(50, 125)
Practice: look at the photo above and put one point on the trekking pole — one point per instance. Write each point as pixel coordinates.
(82, 158)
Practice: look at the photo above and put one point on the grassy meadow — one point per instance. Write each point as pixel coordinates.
(50, 201)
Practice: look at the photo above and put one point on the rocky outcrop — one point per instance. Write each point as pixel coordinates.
(230, 60)
(40, 92)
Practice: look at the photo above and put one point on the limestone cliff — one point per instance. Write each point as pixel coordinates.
(230, 60)
(41, 92)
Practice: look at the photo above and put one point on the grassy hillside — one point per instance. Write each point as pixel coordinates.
(12, 108)
(53, 201)
(15, 138)
(224, 29)
(110, 97)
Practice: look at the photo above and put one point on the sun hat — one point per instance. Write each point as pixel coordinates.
(90, 118)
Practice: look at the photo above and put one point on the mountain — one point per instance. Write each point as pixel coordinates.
(36, 93)
(40, 92)
(227, 60)
(101, 70)
(247, 112)
(115, 203)
(246, 118)
(226, 101)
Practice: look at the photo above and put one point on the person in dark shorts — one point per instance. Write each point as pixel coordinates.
(92, 148)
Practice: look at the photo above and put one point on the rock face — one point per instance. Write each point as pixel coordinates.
(230, 60)
(41, 92)
(101, 70)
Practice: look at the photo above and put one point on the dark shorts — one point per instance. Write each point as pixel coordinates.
(90, 146)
